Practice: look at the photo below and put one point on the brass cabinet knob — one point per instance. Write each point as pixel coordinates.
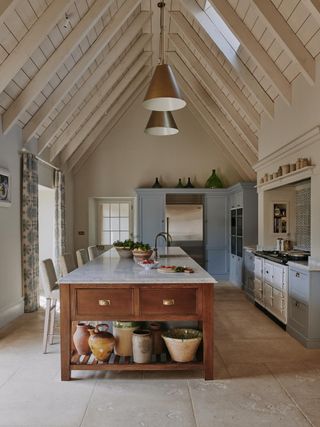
(104, 302)
(297, 274)
(168, 302)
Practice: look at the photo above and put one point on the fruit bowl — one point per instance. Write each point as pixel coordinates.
(140, 255)
(148, 264)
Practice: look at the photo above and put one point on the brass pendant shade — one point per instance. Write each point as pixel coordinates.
(163, 93)
(161, 123)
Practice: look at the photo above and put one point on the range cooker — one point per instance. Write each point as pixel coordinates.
(283, 257)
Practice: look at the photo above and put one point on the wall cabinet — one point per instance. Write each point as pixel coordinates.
(304, 303)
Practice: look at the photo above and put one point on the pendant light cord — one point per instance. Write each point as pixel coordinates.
(161, 5)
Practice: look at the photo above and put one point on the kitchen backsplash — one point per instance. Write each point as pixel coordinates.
(303, 216)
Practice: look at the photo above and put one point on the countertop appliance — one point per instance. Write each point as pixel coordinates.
(283, 257)
(184, 222)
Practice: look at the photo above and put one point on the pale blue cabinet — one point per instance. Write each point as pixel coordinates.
(303, 306)
(151, 215)
(216, 234)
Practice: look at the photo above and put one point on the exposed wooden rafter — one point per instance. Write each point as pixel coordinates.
(214, 91)
(54, 62)
(197, 44)
(82, 65)
(88, 123)
(255, 49)
(106, 124)
(213, 108)
(314, 7)
(33, 38)
(65, 113)
(289, 39)
(230, 55)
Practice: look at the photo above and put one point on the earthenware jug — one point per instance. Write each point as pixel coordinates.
(81, 337)
(101, 342)
(142, 346)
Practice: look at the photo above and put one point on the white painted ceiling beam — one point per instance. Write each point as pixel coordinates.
(314, 7)
(33, 38)
(81, 66)
(197, 44)
(6, 7)
(240, 163)
(57, 59)
(116, 51)
(230, 55)
(213, 108)
(88, 123)
(214, 90)
(106, 124)
(255, 49)
(291, 42)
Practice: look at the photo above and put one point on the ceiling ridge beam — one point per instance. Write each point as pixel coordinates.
(6, 7)
(290, 41)
(221, 138)
(89, 85)
(247, 39)
(214, 109)
(196, 43)
(101, 131)
(230, 56)
(55, 61)
(80, 67)
(88, 125)
(214, 90)
(31, 41)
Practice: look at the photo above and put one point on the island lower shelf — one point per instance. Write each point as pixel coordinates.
(125, 363)
(139, 302)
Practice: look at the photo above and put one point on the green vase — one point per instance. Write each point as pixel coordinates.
(179, 185)
(157, 184)
(214, 181)
(189, 184)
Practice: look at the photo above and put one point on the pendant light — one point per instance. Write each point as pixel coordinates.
(163, 93)
(161, 123)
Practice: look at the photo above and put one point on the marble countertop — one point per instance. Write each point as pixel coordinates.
(111, 269)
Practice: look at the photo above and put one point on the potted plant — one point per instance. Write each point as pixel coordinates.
(141, 251)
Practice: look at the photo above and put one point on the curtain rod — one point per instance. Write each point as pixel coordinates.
(39, 158)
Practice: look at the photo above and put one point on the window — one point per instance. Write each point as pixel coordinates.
(115, 220)
(222, 26)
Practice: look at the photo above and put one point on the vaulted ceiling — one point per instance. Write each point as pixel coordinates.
(71, 68)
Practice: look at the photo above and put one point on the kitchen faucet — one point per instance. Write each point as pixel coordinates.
(168, 239)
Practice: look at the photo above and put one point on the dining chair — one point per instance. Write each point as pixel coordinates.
(93, 252)
(67, 264)
(82, 257)
(51, 292)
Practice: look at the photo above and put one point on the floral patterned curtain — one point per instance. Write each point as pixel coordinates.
(30, 231)
(59, 217)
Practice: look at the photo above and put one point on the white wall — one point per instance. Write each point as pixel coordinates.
(129, 158)
(11, 303)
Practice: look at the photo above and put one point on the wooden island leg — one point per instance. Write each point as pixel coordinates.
(207, 314)
(65, 332)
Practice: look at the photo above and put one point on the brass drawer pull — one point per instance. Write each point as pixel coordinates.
(104, 302)
(168, 302)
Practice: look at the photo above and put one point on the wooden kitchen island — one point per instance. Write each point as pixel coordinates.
(112, 288)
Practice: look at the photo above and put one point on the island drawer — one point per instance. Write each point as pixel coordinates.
(104, 301)
(168, 301)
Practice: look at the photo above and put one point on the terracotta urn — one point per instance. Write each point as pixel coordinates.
(101, 342)
(81, 337)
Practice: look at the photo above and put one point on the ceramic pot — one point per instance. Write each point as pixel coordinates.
(142, 346)
(182, 343)
(81, 337)
(122, 332)
(157, 340)
(101, 342)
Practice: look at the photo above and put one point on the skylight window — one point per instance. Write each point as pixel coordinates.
(222, 26)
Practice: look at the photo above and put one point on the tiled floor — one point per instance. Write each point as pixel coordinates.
(263, 378)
